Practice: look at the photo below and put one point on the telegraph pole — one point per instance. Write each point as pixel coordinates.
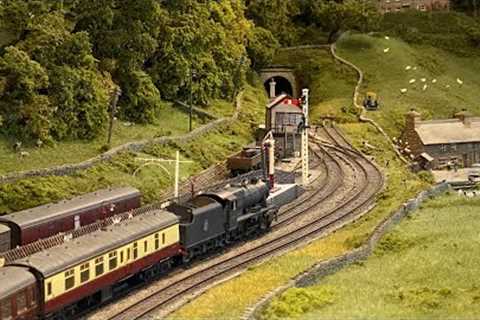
(113, 110)
(305, 159)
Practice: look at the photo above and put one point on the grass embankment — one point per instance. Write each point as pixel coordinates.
(152, 180)
(424, 269)
(386, 74)
(170, 120)
(231, 298)
(335, 83)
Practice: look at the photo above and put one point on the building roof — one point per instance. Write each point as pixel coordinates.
(14, 279)
(64, 208)
(70, 254)
(448, 131)
(283, 99)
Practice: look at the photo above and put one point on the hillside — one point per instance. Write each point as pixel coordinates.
(332, 86)
(423, 269)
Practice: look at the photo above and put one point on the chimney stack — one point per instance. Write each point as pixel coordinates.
(411, 118)
(464, 116)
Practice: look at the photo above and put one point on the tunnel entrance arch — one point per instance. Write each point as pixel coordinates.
(284, 78)
(282, 85)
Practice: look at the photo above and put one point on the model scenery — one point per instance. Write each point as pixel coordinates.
(186, 159)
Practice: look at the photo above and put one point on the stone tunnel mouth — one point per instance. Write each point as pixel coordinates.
(282, 86)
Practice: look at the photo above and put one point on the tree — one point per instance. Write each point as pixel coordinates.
(205, 38)
(23, 107)
(141, 99)
(277, 16)
(261, 47)
(335, 16)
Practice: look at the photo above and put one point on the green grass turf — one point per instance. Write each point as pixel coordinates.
(386, 74)
(426, 268)
(203, 151)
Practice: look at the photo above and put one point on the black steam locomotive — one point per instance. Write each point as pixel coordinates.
(213, 220)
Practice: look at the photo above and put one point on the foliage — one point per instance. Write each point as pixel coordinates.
(261, 47)
(25, 110)
(276, 16)
(296, 302)
(141, 99)
(335, 16)
(201, 50)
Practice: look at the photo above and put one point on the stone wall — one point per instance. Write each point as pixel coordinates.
(136, 146)
(312, 276)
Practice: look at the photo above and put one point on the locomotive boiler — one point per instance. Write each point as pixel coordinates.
(212, 220)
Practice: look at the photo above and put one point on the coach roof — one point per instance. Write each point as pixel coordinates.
(14, 279)
(84, 248)
(66, 208)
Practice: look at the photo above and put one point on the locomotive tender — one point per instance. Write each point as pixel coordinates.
(27, 226)
(59, 281)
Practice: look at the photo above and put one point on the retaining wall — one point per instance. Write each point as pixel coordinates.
(324, 268)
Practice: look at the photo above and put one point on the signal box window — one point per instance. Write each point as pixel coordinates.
(69, 279)
(6, 309)
(112, 260)
(84, 272)
(99, 266)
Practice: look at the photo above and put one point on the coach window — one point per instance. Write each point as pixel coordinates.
(21, 302)
(145, 246)
(84, 272)
(6, 310)
(128, 254)
(49, 288)
(163, 238)
(135, 250)
(112, 260)
(98, 266)
(121, 257)
(157, 241)
(69, 279)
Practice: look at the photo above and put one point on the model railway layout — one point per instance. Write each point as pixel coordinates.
(333, 201)
(102, 261)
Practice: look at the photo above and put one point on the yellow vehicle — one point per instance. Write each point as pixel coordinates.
(370, 102)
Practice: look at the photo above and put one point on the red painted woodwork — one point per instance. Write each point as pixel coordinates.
(31, 310)
(109, 279)
(45, 230)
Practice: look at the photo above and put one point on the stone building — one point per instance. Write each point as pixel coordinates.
(283, 117)
(443, 141)
(421, 5)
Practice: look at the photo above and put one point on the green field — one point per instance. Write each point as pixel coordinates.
(203, 151)
(386, 74)
(426, 268)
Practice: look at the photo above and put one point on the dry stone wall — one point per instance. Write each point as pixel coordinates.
(136, 146)
(312, 276)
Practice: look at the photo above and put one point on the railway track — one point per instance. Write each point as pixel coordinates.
(312, 215)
